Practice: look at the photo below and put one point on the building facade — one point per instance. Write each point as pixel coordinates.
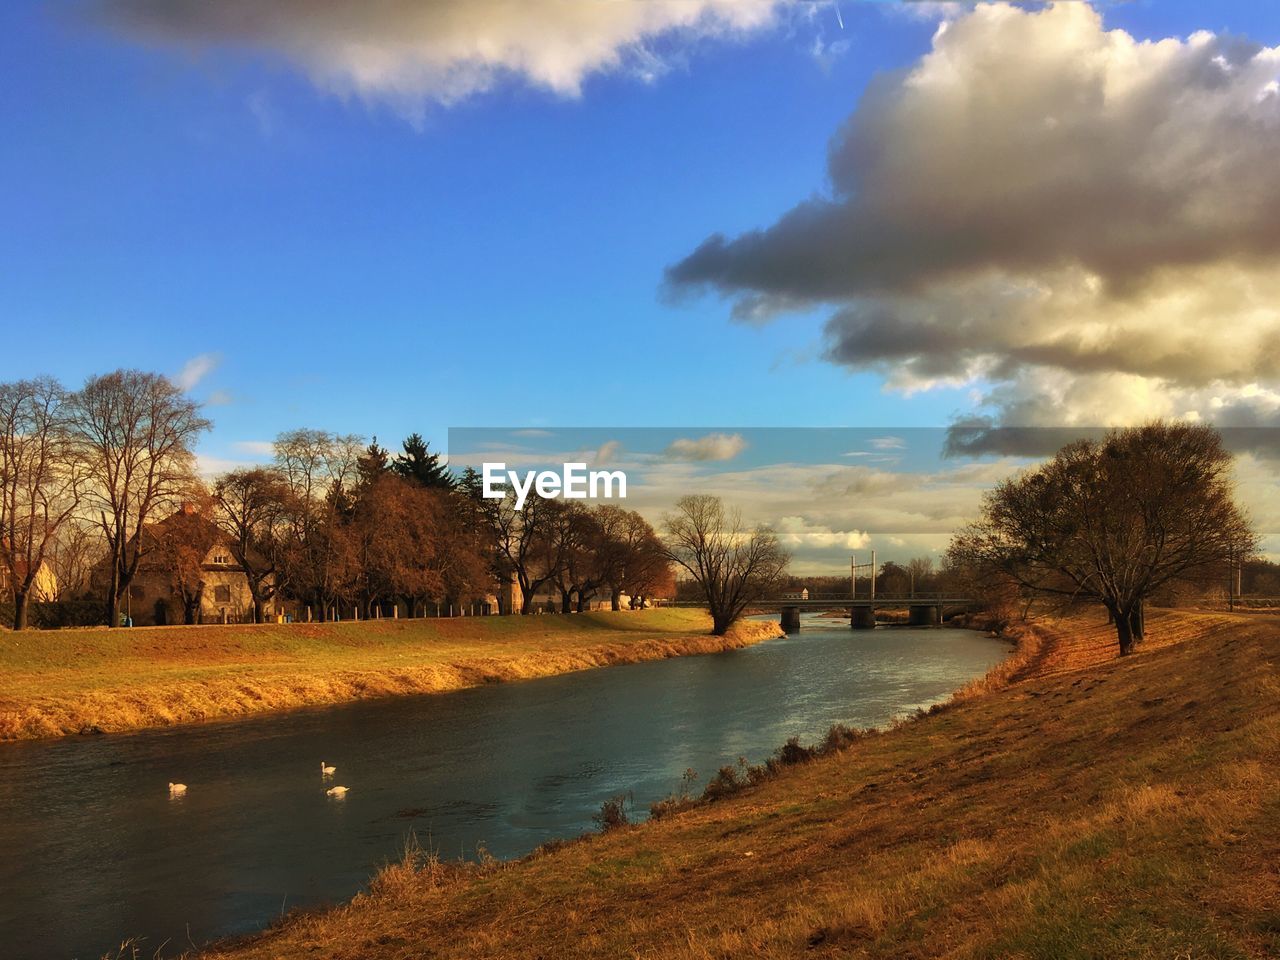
(189, 574)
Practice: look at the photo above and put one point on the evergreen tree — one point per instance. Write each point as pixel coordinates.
(371, 465)
(420, 466)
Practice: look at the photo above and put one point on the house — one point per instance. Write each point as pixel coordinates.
(802, 594)
(189, 574)
(43, 589)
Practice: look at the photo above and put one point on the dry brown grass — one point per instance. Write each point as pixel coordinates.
(1091, 807)
(54, 683)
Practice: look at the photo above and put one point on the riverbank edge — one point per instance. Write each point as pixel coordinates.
(240, 695)
(1029, 641)
(1041, 649)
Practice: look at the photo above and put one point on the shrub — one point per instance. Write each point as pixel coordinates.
(416, 871)
(725, 783)
(613, 814)
(791, 753)
(56, 614)
(677, 801)
(840, 737)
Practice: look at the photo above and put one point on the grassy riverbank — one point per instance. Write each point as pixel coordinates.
(1074, 805)
(59, 682)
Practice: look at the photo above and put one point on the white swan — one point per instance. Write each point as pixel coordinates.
(336, 792)
(326, 771)
(177, 789)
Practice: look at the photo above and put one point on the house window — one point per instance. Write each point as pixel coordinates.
(221, 558)
(222, 594)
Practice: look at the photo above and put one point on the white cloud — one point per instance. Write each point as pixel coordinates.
(411, 52)
(209, 467)
(800, 532)
(1083, 222)
(714, 446)
(195, 370)
(608, 453)
(888, 443)
(258, 448)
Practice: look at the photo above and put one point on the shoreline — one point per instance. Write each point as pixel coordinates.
(718, 877)
(357, 662)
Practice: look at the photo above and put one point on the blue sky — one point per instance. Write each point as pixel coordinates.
(343, 263)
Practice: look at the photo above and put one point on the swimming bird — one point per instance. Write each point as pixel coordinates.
(177, 789)
(326, 771)
(336, 792)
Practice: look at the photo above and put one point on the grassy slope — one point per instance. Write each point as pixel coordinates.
(58, 682)
(1093, 808)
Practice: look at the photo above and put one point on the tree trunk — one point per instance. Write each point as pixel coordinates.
(1124, 633)
(20, 601)
(1138, 622)
(113, 610)
(566, 601)
(257, 610)
(615, 600)
(720, 624)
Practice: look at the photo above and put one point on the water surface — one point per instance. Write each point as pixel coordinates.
(95, 851)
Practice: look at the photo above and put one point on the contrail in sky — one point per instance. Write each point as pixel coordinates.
(839, 19)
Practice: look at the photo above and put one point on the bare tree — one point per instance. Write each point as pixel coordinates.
(735, 566)
(75, 551)
(253, 506)
(576, 541)
(136, 431)
(919, 574)
(523, 539)
(41, 476)
(319, 469)
(1111, 522)
(631, 556)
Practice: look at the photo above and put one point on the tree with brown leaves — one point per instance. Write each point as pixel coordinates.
(1113, 521)
(253, 506)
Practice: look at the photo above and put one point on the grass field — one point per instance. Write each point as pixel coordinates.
(65, 681)
(1073, 806)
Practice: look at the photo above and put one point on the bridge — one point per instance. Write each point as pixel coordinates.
(923, 609)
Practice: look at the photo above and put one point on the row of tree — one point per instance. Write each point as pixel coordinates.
(88, 476)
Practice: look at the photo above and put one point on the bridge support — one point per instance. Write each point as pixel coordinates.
(923, 615)
(790, 619)
(863, 618)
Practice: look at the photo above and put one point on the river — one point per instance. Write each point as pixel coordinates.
(95, 850)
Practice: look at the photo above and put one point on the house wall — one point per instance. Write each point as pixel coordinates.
(234, 605)
(43, 589)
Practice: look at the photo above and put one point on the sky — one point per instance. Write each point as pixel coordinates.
(399, 216)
